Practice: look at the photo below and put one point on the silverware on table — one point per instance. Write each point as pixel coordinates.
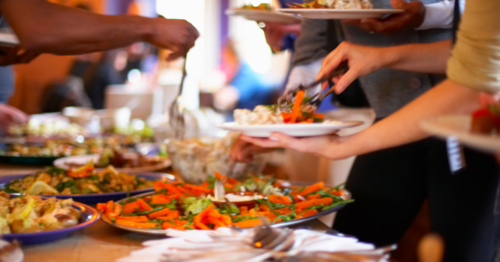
(176, 116)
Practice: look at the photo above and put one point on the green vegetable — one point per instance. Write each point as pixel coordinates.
(337, 204)
(338, 186)
(63, 185)
(199, 205)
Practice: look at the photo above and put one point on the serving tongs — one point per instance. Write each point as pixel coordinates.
(315, 100)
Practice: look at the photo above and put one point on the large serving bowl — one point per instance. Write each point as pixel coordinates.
(197, 158)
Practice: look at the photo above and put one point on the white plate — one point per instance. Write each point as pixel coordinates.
(313, 13)
(63, 164)
(8, 39)
(296, 130)
(458, 126)
(15, 256)
(264, 16)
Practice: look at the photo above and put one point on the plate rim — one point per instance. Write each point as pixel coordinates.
(164, 164)
(339, 125)
(333, 11)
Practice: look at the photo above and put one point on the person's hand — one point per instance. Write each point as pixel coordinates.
(362, 61)
(175, 35)
(318, 145)
(412, 17)
(244, 152)
(16, 55)
(274, 33)
(10, 115)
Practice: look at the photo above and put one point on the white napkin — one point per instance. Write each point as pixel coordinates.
(199, 240)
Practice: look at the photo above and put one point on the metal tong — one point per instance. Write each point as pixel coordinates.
(319, 97)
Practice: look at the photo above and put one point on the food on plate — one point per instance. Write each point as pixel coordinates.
(185, 206)
(198, 158)
(30, 214)
(262, 6)
(486, 120)
(335, 4)
(49, 149)
(83, 180)
(298, 112)
(118, 160)
(48, 128)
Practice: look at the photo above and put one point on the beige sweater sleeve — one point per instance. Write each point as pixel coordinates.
(475, 60)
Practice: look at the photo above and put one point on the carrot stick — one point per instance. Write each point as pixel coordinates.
(214, 213)
(186, 191)
(316, 196)
(313, 202)
(143, 206)
(130, 208)
(248, 223)
(172, 189)
(160, 213)
(117, 210)
(216, 222)
(318, 115)
(101, 207)
(226, 220)
(296, 106)
(244, 211)
(280, 199)
(160, 199)
(194, 188)
(135, 224)
(159, 186)
(312, 188)
(139, 219)
(307, 213)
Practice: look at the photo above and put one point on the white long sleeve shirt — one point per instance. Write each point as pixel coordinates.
(440, 15)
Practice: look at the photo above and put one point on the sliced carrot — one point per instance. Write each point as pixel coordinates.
(194, 188)
(318, 115)
(216, 222)
(313, 202)
(187, 191)
(264, 208)
(214, 213)
(226, 220)
(312, 188)
(248, 223)
(308, 121)
(101, 207)
(139, 219)
(307, 213)
(316, 196)
(280, 199)
(244, 210)
(160, 213)
(135, 224)
(130, 208)
(143, 206)
(116, 211)
(230, 180)
(160, 199)
(172, 215)
(296, 106)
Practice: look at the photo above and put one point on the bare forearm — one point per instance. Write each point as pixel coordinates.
(423, 58)
(404, 126)
(50, 28)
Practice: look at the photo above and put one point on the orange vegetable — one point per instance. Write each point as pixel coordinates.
(216, 222)
(312, 188)
(83, 171)
(143, 206)
(307, 213)
(296, 106)
(308, 121)
(248, 223)
(244, 211)
(135, 224)
(160, 213)
(172, 215)
(226, 220)
(186, 191)
(101, 207)
(134, 218)
(116, 211)
(280, 199)
(194, 188)
(214, 213)
(199, 218)
(318, 116)
(316, 196)
(160, 199)
(230, 180)
(313, 202)
(130, 208)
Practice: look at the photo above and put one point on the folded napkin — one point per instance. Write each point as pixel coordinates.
(212, 244)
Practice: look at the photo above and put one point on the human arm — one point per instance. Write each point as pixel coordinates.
(44, 27)
(423, 58)
(275, 32)
(10, 115)
(400, 128)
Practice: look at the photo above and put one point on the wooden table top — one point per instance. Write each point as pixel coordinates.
(98, 242)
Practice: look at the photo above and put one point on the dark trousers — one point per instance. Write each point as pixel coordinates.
(390, 185)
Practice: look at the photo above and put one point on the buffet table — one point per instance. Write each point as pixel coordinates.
(99, 241)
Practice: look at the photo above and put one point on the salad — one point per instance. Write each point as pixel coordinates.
(29, 214)
(298, 112)
(262, 6)
(185, 206)
(83, 180)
